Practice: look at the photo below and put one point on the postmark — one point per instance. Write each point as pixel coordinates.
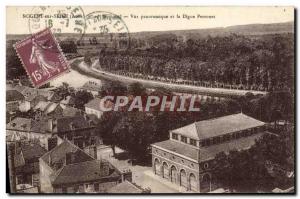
(41, 57)
(107, 29)
(63, 21)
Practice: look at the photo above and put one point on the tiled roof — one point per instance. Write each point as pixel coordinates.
(40, 126)
(91, 86)
(125, 187)
(32, 150)
(26, 152)
(207, 153)
(179, 148)
(218, 126)
(58, 154)
(20, 88)
(76, 122)
(42, 105)
(21, 124)
(70, 111)
(30, 93)
(83, 172)
(13, 95)
(95, 104)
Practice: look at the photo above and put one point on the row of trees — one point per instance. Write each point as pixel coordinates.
(264, 62)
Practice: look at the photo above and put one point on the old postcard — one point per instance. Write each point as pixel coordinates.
(147, 100)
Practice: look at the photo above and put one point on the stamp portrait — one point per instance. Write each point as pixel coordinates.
(41, 57)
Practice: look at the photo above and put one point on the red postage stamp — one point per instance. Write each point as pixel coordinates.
(42, 57)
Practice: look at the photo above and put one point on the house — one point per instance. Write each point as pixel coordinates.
(93, 107)
(32, 96)
(68, 169)
(80, 130)
(187, 158)
(30, 130)
(13, 100)
(26, 159)
(50, 109)
(93, 87)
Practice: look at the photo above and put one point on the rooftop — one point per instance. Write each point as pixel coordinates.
(125, 187)
(218, 126)
(92, 86)
(207, 153)
(58, 154)
(69, 123)
(30, 93)
(95, 104)
(89, 171)
(20, 123)
(13, 95)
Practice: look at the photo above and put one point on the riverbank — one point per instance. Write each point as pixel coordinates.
(82, 68)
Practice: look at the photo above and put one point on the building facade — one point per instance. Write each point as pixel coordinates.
(187, 158)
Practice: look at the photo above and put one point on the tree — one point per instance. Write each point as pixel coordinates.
(87, 58)
(81, 98)
(246, 170)
(136, 89)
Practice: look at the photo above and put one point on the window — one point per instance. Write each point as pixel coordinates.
(205, 142)
(184, 139)
(216, 140)
(96, 187)
(206, 166)
(64, 189)
(76, 188)
(193, 142)
(227, 137)
(174, 136)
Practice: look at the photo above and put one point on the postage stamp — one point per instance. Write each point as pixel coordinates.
(41, 57)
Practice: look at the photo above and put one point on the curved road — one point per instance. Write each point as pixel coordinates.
(80, 66)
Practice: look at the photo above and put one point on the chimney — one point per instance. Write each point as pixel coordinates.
(52, 125)
(70, 158)
(104, 168)
(95, 152)
(49, 160)
(11, 167)
(72, 126)
(127, 175)
(51, 143)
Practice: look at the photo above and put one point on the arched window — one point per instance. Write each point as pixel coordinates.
(183, 178)
(193, 182)
(173, 174)
(156, 166)
(205, 184)
(165, 171)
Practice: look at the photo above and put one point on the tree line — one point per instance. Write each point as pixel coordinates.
(259, 63)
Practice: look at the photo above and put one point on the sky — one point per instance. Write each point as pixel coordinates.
(225, 16)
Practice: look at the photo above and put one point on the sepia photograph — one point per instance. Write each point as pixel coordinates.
(150, 100)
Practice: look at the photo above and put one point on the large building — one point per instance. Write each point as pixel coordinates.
(187, 158)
